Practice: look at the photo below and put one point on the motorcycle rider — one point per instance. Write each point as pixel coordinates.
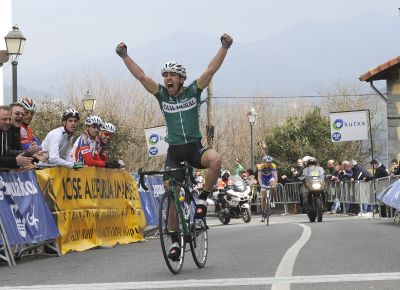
(267, 177)
(224, 180)
(312, 169)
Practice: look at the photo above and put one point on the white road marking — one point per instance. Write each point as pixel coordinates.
(285, 268)
(220, 282)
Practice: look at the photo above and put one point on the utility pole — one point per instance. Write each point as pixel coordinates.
(210, 125)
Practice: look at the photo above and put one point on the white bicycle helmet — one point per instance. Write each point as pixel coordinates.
(93, 120)
(173, 66)
(267, 158)
(27, 103)
(108, 127)
(70, 113)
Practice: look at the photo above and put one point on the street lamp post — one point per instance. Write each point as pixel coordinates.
(252, 116)
(15, 43)
(89, 102)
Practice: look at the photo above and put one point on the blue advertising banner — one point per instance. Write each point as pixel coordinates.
(151, 199)
(23, 210)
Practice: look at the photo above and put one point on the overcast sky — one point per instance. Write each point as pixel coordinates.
(248, 21)
(56, 28)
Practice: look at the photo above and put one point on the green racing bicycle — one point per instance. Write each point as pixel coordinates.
(176, 219)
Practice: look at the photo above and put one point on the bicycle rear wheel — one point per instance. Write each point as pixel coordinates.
(169, 228)
(199, 242)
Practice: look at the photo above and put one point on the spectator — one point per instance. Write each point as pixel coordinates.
(238, 167)
(58, 142)
(262, 149)
(362, 174)
(252, 180)
(27, 138)
(14, 136)
(345, 175)
(394, 167)
(379, 169)
(85, 147)
(107, 131)
(330, 168)
(9, 158)
(335, 177)
(295, 172)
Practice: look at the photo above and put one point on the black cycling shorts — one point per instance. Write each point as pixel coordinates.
(191, 153)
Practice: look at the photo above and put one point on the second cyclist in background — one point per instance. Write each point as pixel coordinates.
(267, 178)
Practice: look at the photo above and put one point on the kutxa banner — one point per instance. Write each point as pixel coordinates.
(349, 126)
(93, 206)
(23, 210)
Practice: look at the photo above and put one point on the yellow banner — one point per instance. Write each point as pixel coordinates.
(93, 206)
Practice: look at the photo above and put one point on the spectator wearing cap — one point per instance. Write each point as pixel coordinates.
(238, 167)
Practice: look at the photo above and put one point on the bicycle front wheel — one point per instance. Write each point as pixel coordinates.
(268, 209)
(170, 230)
(199, 242)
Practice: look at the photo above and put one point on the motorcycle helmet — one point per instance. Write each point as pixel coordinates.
(311, 161)
(173, 66)
(225, 175)
(305, 159)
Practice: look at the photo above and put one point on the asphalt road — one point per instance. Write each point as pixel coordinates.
(339, 253)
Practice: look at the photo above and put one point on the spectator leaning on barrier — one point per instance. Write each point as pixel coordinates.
(14, 137)
(107, 131)
(85, 147)
(361, 173)
(330, 167)
(28, 139)
(9, 158)
(394, 167)
(58, 142)
(379, 168)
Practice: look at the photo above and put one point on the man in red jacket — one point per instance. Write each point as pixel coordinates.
(85, 147)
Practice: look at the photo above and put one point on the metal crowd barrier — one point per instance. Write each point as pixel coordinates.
(345, 192)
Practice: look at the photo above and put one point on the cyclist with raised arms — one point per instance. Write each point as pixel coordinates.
(267, 178)
(181, 108)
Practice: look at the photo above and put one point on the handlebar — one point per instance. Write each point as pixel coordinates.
(167, 171)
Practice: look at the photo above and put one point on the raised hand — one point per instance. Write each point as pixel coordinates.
(121, 49)
(226, 40)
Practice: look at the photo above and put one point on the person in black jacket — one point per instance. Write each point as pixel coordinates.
(14, 136)
(379, 169)
(362, 174)
(379, 172)
(9, 158)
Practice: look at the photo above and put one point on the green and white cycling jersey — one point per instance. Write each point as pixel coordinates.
(181, 113)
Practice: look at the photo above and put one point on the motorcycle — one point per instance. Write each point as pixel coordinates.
(233, 201)
(314, 184)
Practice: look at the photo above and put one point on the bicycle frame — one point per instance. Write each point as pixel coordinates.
(178, 204)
